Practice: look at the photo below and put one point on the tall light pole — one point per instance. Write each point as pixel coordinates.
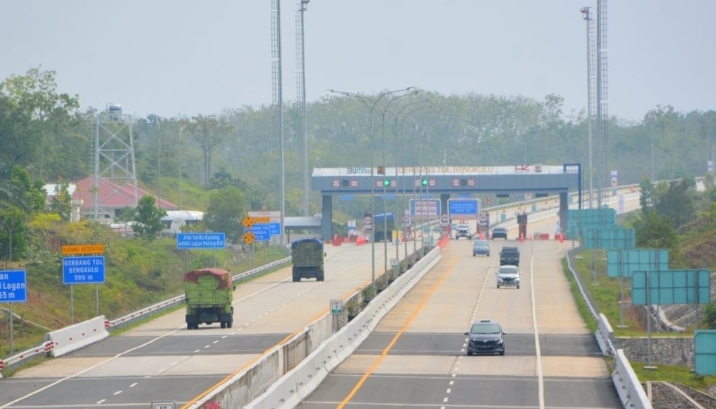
(181, 147)
(301, 65)
(385, 109)
(396, 116)
(591, 95)
(371, 104)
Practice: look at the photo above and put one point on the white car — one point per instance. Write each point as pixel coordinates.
(508, 275)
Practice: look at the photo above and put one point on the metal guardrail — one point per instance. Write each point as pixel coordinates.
(626, 382)
(18, 360)
(161, 306)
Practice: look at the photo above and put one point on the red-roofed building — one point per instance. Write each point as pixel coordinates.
(112, 198)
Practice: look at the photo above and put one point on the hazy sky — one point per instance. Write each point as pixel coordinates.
(173, 57)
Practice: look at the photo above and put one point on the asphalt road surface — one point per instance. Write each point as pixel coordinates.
(163, 361)
(417, 358)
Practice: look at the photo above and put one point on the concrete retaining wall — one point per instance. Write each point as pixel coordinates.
(664, 351)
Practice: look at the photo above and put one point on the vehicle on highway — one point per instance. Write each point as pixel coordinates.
(510, 256)
(307, 257)
(208, 297)
(463, 230)
(499, 232)
(508, 276)
(485, 337)
(481, 246)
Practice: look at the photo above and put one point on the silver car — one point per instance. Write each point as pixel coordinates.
(508, 275)
(481, 247)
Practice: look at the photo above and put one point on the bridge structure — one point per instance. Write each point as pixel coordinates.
(447, 181)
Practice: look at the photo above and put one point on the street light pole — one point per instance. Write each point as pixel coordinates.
(371, 104)
(181, 146)
(396, 116)
(384, 109)
(303, 6)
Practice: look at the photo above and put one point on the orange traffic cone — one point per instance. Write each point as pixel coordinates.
(561, 237)
(522, 237)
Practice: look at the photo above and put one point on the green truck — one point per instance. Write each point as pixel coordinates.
(208, 296)
(307, 258)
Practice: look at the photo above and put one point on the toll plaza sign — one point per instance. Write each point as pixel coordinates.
(463, 207)
(83, 270)
(13, 286)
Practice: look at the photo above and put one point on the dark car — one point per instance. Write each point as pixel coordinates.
(485, 337)
(480, 246)
(498, 232)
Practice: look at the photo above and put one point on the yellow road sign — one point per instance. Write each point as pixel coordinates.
(249, 237)
(248, 222)
(83, 249)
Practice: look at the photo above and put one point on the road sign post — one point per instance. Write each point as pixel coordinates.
(13, 288)
(336, 311)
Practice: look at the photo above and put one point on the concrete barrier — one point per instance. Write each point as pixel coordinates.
(299, 382)
(77, 336)
(630, 391)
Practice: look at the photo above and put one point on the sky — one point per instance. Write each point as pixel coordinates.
(189, 57)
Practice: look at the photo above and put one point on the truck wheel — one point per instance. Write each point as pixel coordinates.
(498, 286)
(296, 278)
(223, 324)
(229, 324)
(320, 277)
(188, 326)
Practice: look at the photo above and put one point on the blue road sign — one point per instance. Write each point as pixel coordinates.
(463, 207)
(13, 286)
(262, 231)
(705, 352)
(83, 270)
(668, 287)
(187, 241)
(275, 229)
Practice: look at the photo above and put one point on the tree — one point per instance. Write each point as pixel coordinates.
(148, 218)
(646, 197)
(40, 117)
(22, 192)
(225, 213)
(12, 237)
(676, 203)
(209, 132)
(62, 201)
(656, 232)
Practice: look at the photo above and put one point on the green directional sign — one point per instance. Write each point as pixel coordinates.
(580, 220)
(623, 262)
(610, 238)
(668, 287)
(705, 352)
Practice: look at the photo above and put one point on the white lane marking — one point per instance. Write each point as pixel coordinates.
(216, 342)
(451, 382)
(197, 351)
(445, 400)
(117, 393)
(448, 391)
(225, 336)
(99, 402)
(133, 385)
(46, 387)
(206, 346)
(540, 376)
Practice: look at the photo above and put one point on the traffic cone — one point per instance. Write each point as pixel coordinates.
(522, 237)
(561, 237)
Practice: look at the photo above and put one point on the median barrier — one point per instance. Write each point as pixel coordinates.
(77, 336)
(315, 368)
(628, 387)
